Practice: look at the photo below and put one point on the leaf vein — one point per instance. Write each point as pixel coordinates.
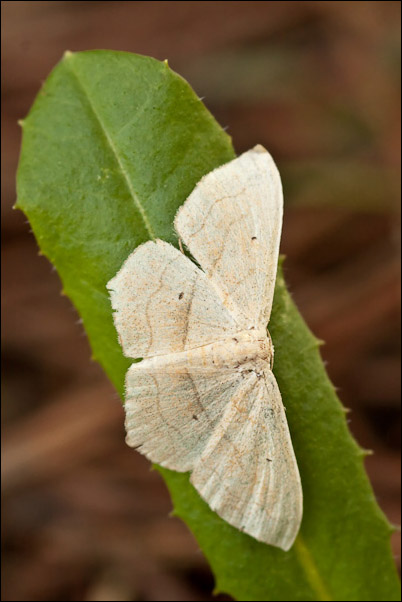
(310, 569)
(112, 145)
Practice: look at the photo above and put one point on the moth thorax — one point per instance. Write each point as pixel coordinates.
(266, 349)
(245, 349)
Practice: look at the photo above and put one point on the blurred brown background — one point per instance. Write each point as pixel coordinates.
(318, 84)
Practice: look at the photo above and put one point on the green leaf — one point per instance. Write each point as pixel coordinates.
(113, 145)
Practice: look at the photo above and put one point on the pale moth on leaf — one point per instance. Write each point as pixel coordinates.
(204, 398)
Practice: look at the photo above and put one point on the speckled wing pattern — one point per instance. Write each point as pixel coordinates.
(231, 224)
(204, 398)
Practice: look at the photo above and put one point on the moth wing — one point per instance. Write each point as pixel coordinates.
(164, 303)
(173, 404)
(231, 223)
(247, 472)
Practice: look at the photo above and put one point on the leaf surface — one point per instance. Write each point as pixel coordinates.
(112, 146)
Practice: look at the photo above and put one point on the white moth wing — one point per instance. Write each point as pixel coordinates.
(164, 303)
(247, 472)
(190, 405)
(173, 404)
(231, 223)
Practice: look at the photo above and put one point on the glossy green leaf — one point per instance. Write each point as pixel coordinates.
(112, 146)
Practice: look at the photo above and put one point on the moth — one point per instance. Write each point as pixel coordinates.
(204, 398)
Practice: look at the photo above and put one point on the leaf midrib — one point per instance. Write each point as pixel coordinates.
(302, 552)
(139, 206)
(310, 569)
